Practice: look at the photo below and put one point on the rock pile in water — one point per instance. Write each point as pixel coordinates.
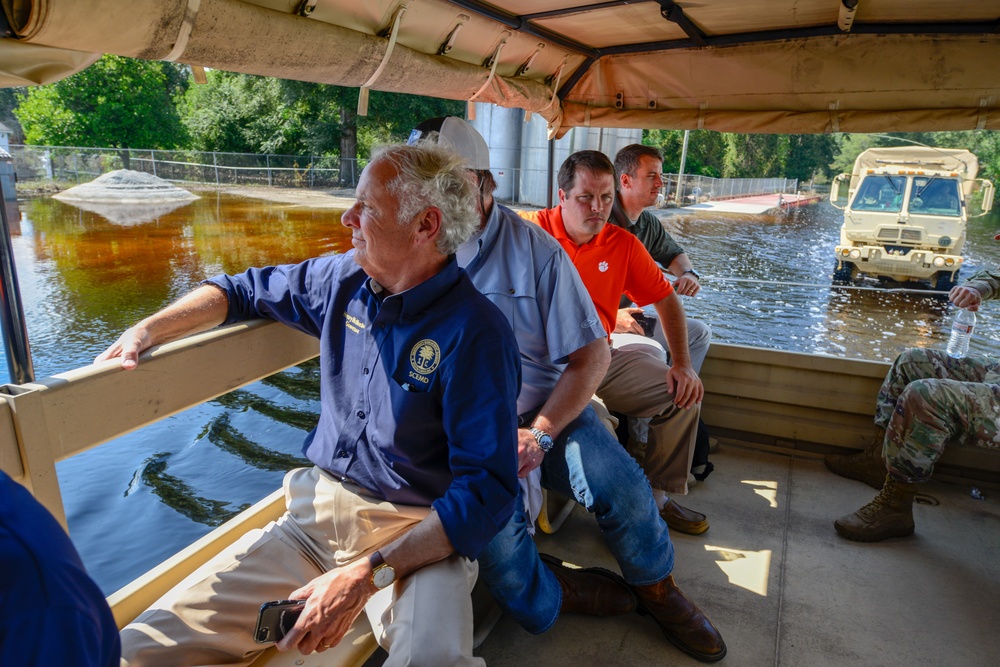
(124, 186)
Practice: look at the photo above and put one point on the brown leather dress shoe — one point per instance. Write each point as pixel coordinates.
(682, 622)
(682, 519)
(592, 590)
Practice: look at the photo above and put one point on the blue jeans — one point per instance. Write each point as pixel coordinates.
(587, 464)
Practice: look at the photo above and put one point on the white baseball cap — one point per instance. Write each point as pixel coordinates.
(458, 135)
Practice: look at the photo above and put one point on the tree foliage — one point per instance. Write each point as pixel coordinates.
(116, 102)
(9, 99)
(716, 154)
(241, 113)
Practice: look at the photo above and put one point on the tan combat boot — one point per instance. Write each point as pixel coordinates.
(865, 466)
(889, 514)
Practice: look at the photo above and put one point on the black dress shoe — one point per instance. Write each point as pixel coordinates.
(593, 590)
(682, 519)
(683, 624)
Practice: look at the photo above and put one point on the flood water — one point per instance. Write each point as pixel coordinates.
(138, 499)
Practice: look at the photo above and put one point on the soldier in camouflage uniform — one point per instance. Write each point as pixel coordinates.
(929, 401)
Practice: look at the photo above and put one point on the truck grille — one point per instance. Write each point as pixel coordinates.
(909, 234)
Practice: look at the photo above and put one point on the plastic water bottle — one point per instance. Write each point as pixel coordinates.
(961, 332)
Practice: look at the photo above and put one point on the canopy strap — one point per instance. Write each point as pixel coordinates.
(190, 14)
(984, 113)
(493, 66)
(557, 77)
(834, 117)
(363, 95)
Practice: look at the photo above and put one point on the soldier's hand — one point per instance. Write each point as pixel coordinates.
(965, 297)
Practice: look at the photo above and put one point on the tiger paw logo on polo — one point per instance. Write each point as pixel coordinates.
(424, 359)
(602, 267)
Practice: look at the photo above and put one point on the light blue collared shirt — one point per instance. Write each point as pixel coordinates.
(523, 271)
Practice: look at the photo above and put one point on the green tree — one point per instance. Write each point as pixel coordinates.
(705, 150)
(242, 113)
(754, 155)
(116, 102)
(332, 112)
(9, 99)
(809, 155)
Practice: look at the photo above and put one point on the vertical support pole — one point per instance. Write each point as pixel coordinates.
(15, 333)
(215, 163)
(550, 173)
(680, 172)
(268, 158)
(152, 159)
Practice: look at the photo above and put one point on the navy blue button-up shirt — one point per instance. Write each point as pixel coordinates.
(418, 389)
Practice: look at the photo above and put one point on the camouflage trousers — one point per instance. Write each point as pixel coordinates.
(930, 401)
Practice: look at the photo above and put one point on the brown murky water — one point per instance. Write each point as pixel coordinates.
(87, 276)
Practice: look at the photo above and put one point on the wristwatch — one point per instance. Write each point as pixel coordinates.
(693, 273)
(382, 573)
(544, 440)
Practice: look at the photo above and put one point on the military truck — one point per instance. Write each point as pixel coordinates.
(905, 214)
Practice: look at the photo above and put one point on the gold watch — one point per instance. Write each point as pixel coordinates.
(382, 573)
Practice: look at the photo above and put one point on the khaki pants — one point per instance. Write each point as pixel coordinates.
(209, 618)
(636, 385)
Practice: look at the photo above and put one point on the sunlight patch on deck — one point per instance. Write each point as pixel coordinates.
(766, 490)
(746, 569)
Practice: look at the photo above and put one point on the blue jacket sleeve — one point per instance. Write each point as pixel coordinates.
(294, 294)
(480, 420)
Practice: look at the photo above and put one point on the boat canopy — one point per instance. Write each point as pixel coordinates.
(748, 66)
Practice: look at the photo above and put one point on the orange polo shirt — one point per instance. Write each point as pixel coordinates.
(611, 264)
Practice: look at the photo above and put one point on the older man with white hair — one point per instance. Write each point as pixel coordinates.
(414, 471)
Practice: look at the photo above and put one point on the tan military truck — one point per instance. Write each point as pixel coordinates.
(905, 213)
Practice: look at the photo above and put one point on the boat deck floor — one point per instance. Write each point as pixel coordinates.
(784, 589)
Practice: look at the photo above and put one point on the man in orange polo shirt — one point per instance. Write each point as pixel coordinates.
(613, 262)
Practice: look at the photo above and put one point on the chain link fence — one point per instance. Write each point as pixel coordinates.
(79, 165)
(695, 188)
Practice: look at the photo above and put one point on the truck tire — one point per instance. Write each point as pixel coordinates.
(843, 273)
(945, 280)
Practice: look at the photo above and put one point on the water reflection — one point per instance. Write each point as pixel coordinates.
(131, 214)
(86, 279)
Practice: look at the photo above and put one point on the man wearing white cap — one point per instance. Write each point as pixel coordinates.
(561, 442)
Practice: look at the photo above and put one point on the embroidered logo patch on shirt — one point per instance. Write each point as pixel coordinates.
(424, 358)
(602, 267)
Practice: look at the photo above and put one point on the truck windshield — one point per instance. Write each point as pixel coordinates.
(934, 196)
(880, 192)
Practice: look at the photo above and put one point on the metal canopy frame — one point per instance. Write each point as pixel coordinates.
(696, 37)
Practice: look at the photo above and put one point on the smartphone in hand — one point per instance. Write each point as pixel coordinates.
(276, 619)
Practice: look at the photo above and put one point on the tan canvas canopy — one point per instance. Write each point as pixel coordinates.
(787, 66)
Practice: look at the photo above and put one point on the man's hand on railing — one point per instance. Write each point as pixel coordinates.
(128, 346)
